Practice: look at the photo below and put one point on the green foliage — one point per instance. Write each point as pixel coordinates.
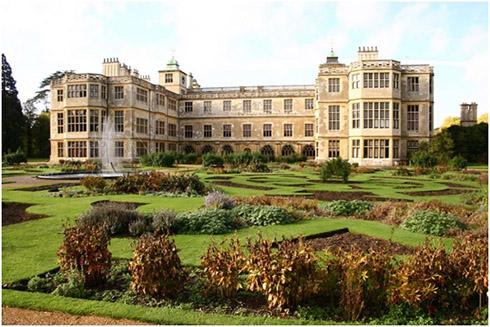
(159, 159)
(403, 314)
(442, 147)
(477, 198)
(458, 163)
(348, 208)
(207, 221)
(39, 284)
(218, 200)
(423, 159)
(259, 167)
(402, 171)
(143, 224)
(115, 218)
(156, 269)
(335, 168)
(15, 158)
(188, 158)
(94, 184)
(212, 160)
(471, 142)
(164, 221)
(73, 287)
(262, 215)
(431, 222)
(292, 158)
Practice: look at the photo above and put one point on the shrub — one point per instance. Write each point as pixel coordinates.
(363, 281)
(292, 158)
(14, 158)
(164, 222)
(85, 250)
(155, 268)
(141, 225)
(258, 167)
(94, 184)
(115, 218)
(280, 201)
(218, 200)
(207, 221)
(261, 215)
(159, 182)
(159, 159)
(223, 266)
(388, 212)
(402, 171)
(430, 222)
(348, 208)
(189, 158)
(335, 168)
(286, 277)
(73, 287)
(423, 159)
(458, 163)
(212, 160)
(478, 198)
(39, 284)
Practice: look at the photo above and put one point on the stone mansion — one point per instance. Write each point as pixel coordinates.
(372, 112)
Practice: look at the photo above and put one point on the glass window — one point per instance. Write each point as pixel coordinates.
(142, 95)
(160, 127)
(141, 148)
(334, 118)
(227, 105)
(356, 115)
(172, 104)
(226, 130)
(172, 130)
(267, 129)
(376, 114)
(77, 120)
(94, 120)
(396, 115)
(355, 81)
(60, 122)
(119, 121)
(59, 95)
(77, 91)
(396, 81)
(118, 92)
(169, 78)
(188, 106)
(308, 104)
(334, 85)
(142, 125)
(160, 99)
(94, 90)
(208, 131)
(61, 152)
(247, 130)
(247, 106)
(333, 148)
(188, 131)
(413, 118)
(94, 149)
(356, 145)
(267, 106)
(77, 149)
(288, 130)
(119, 149)
(413, 84)
(103, 92)
(207, 106)
(308, 130)
(288, 105)
(396, 149)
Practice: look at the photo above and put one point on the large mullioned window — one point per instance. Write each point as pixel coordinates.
(77, 149)
(334, 118)
(119, 121)
(376, 80)
(356, 115)
(376, 114)
(77, 120)
(377, 149)
(413, 118)
(77, 91)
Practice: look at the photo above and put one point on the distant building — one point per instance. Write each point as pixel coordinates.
(469, 114)
(372, 112)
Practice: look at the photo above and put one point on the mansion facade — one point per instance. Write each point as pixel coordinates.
(372, 112)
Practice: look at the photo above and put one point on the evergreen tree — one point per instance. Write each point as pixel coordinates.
(40, 136)
(13, 121)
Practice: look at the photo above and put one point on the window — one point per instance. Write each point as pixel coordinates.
(77, 149)
(141, 95)
(160, 127)
(288, 130)
(334, 118)
(141, 148)
(334, 85)
(396, 149)
(142, 125)
(188, 106)
(94, 90)
(172, 104)
(384, 80)
(413, 118)
(413, 84)
(172, 147)
(396, 81)
(94, 121)
(160, 146)
(207, 106)
(267, 128)
(287, 150)
(226, 130)
(160, 99)
(169, 78)
(247, 106)
(60, 122)
(77, 91)
(119, 149)
(396, 115)
(376, 80)
(356, 115)
(118, 92)
(59, 97)
(77, 120)
(368, 80)
(412, 146)
(333, 148)
(356, 145)
(227, 105)
(61, 152)
(308, 129)
(188, 131)
(376, 114)
(288, 105)
(267, 106)
(309, 151)
(247, 130)
(308, 104)
(103, 92)
(431, 118)
(377, 149)
(355, 81)
(172, 130)
(208, 131)
(94, 149)
(119, 121)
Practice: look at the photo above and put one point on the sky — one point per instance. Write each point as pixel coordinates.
(237, 43)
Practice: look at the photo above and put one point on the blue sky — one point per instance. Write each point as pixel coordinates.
(250, 43)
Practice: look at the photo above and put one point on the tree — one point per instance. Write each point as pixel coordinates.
(471, 142)
(450, 121)
(13, 121)
(483, 118)
(442, 147)
(40, 136)
(42, 95)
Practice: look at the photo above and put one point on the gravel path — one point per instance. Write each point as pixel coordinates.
(15, 316)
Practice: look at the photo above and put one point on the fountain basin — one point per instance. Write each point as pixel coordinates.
(76, 176)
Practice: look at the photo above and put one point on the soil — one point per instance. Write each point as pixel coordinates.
(455, 185)
(449, 191)
(19, 181)
(127, 205)
(238, 185)
(345, 241)
(15, 212)
(50, 187)
(16, 316)
(217, 178)
(330, 196)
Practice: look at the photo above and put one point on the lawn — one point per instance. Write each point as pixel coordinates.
(29, 248)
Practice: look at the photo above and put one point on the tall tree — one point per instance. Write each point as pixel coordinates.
(40, 136)
(13, 121)
(42, 95)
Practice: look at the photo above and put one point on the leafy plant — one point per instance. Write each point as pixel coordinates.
(262, 215)
(85, 250)
(155, 268)
(73, 287)
(212, 160)
(423, 159)
(218, 200)
(207, 221)
(458, 163)
(115, 218)
(14, 158)
(164, 222)
(431, 222)
(141, 225)
(335, 168)
(39, 284)
(94, 184)
(348, 208)
(159, 159)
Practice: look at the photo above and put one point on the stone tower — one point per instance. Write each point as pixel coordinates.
(469, 114)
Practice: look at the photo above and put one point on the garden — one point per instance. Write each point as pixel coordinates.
(245, 239)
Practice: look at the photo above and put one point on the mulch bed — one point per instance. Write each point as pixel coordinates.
(238, 185)
(127, 205)
(218, 178)
(50, 187)
(346, 241)
(15, 212)
(449, 191)
(455, 185)
(331, 196)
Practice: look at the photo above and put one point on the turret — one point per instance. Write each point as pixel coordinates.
(174, 79)
(469, 114)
